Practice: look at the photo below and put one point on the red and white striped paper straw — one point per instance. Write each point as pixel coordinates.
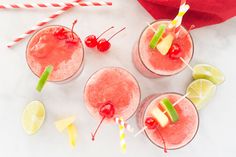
(39, 25)
(52, 5)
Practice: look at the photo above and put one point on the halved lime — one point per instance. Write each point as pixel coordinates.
(209, 72)
(44, 77)
(170, 109)
(200, 92)
(157, 36)
(33, 117)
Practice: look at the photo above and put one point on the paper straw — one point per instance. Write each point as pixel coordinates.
(39, 25)
(178, 19)
(52, 5)
(122, 136)
(125, 124)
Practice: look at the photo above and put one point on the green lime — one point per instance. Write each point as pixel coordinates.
(209, 72)
(157, 36)
(33, 117)
(169, 108)
(200, 92)
(44, 77)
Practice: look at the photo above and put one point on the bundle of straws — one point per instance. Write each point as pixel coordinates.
(64, 7)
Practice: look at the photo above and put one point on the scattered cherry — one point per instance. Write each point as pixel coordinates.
(107, 110)
(151, 123)
(174, 52)
(104, 45)
(91, 40)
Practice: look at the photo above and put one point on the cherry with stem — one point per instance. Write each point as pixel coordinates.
(107, 110)
(72, 29)
(104, 45)
(151, 123)
(91, 40)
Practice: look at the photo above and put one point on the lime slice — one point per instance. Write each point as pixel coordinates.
(33, 117)
(157, 36)
(44, 77)
(160, 117)
(64, 123)
(209, 72)
(200, 92)
(169, 108)
(72, 132)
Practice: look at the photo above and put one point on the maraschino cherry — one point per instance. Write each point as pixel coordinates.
(91, 40)
(107, 110)
(174, 52)
(104, 45)
(152, 124)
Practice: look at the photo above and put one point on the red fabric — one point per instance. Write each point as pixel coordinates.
(201, 13)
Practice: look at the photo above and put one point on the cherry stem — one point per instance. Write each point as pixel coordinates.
(163, 140)
(190, 28)
(72, 29)
(94, 134)
(116, 33)
(105, 31)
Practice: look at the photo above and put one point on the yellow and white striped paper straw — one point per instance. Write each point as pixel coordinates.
(178, 19)
(122, 135)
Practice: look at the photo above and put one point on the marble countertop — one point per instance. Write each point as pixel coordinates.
(214, 45)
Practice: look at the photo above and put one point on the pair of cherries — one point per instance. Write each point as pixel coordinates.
(103, 44)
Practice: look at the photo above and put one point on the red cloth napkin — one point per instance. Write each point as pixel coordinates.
(201, 13)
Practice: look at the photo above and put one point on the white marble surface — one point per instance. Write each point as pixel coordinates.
(214, 45)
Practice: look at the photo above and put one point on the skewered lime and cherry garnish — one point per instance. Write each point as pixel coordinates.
(160, 119)
(44, 77)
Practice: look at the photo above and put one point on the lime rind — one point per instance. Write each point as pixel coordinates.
(169, 108)
(33, 117)
(200, 92)
(157, 36)
(208, 72)
(44, 77)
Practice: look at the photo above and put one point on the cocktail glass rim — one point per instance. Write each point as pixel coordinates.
(139, 55)
(58, 81)
(109, 67)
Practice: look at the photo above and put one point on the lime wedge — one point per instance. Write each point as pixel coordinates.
(64, 123)
(209, 72)
(169, 108)
(72, 132)
(157, 36)
(44, 77)
(33, 117)
(200, 92)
